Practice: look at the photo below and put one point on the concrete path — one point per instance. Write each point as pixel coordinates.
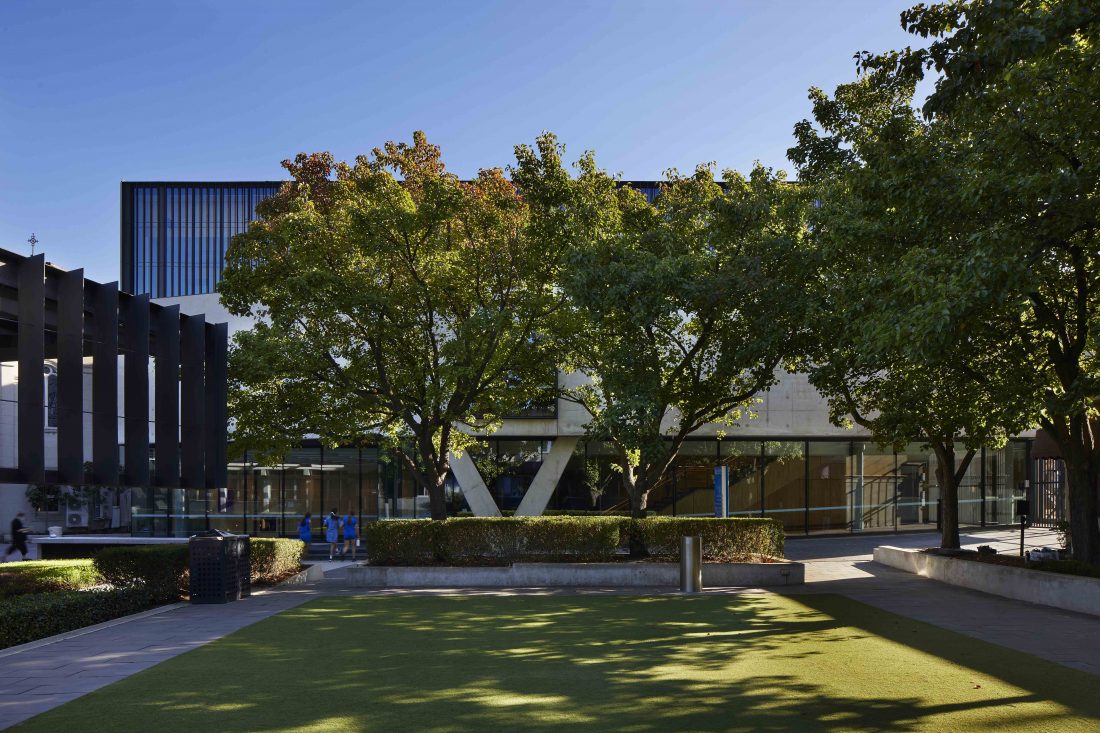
(37, 677)
(843, 565)
(42, 675)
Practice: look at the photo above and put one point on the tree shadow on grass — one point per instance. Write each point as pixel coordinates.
(457, 664)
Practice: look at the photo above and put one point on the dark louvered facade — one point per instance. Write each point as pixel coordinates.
(174, 235)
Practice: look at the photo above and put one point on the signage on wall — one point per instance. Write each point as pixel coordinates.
(721, 491)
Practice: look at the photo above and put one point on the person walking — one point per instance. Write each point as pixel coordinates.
(18, 537)
(332, 533)
(351, 534)
(305, 530)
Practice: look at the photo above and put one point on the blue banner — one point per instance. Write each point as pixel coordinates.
(721, 491)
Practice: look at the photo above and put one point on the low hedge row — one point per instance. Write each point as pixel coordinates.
(163, 569)
(31, 617)
(558, 513)
(724, 540)
(273, 559)
(160, 569)
(481, 540)
(505, 540)
(45, 576)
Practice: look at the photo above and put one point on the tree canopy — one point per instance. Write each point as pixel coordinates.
(680, 309)
(988, 202)
(392, 299)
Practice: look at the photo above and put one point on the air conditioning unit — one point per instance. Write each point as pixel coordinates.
(76, 517)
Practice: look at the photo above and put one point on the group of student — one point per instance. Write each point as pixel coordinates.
(333, 525)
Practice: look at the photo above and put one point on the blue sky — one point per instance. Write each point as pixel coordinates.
(95, 93)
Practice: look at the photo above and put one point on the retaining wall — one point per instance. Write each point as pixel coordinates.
(566, 575)
(1069, 592)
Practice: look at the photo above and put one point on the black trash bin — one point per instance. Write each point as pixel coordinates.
(220, 570)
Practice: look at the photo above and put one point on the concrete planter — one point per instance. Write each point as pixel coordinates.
(574, 575)
(1069, 592)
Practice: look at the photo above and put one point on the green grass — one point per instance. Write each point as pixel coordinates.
(43, 576)
(747, 662)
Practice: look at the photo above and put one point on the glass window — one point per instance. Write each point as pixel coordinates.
(784, 483)
(743, 460)
(829, 509)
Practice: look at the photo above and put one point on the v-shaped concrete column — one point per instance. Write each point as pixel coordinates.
(546, 479)
(473, 487)
(534, 502)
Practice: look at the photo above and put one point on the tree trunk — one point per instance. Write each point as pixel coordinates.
(949, 494)
(638, 492)
(1080, 457)
(437, 497)
(432, 478)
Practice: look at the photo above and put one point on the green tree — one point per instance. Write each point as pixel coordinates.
(882, 266)
(392, 299)
(680, 309)
(1015, 113)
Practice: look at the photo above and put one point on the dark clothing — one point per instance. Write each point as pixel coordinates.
(18, 539)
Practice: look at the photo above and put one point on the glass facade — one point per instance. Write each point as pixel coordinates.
(812, 487)
(174, 235)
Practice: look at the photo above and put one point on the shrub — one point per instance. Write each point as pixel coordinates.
(724, 540)
(1066, 567)
(44, 576)
(401, 541)
(32, 617)
(273, 559)
(160, 569)
(502, 541)
(506, 540)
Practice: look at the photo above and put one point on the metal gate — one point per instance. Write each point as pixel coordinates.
(1049, 493)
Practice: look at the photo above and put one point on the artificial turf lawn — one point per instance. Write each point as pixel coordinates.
(749, 662)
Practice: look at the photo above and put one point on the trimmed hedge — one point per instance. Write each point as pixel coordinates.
(44, 576)
(31, 617)
(273, 559)
(162, 570)
(724, 540)
(43, 598)
(505, 540)
(403, 541)
(557, 513)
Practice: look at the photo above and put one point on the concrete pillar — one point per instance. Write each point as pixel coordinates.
(473, 487)
(546, 479)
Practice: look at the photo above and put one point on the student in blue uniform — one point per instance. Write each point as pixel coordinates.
(305, 530)
(332, 533)
(351, 534)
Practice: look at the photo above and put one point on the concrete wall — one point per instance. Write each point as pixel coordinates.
(1069, 592)
(570, 575)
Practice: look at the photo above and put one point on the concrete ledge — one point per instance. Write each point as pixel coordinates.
(308, 574)
(569, 575)
(105, 539)
(1068, 592)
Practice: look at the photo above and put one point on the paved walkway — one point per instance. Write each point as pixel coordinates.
(41, 676)
(35, 679)
(843, 565)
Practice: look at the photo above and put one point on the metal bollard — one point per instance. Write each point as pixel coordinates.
(691, 565)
